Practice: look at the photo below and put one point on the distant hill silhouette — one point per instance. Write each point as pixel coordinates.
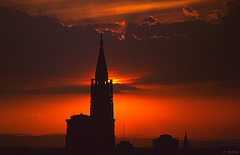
(24, 140)
(16, 134)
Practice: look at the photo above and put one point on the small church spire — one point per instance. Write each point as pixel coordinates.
(185, 144)
(101, 73)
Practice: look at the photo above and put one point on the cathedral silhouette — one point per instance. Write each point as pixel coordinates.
(94, 134)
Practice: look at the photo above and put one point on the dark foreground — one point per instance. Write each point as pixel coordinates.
(134, 151)
(55, 145)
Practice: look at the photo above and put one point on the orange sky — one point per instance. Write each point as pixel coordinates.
(144, 112)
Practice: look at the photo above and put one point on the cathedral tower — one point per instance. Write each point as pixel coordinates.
(101, 109)
(101, 90)
(94, 134)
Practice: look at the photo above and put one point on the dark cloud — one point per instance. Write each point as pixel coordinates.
(39, 47)
(37, 50)
(232, 4)
(203, 89)
(70, 89)
(56, 90)
(215, 16)
(120, 88)
(39, 12)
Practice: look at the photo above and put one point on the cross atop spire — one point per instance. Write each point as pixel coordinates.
(101, 73)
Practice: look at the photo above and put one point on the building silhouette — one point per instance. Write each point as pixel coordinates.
(124, 148)
(94, 134)
(165, 145)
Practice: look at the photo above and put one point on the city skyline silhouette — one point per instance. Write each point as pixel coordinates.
(174, 66)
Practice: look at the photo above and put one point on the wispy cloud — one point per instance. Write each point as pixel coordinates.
(35, 116)
(74, 11)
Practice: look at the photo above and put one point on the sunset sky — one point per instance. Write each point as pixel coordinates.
(175, 65)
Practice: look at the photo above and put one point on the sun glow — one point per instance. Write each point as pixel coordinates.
(123, 79)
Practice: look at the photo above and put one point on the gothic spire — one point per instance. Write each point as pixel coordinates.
(101, 73)
(185, 144)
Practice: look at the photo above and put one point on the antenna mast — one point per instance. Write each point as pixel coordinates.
(124, 132)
